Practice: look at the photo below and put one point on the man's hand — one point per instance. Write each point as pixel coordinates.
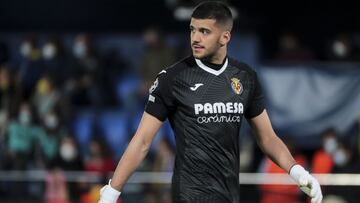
(307, 183)
(108, 194)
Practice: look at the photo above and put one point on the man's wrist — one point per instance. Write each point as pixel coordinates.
(288, 171)
(113, 188)
(297, 171)
(109, 194)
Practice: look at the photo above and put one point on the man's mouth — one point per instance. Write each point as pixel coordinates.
(197, 47)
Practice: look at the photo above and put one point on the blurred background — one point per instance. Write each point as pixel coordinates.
(74, 77)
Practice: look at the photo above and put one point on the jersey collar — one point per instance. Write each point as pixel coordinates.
(210, 70)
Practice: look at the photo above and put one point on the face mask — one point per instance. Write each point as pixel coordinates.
(340, 157)
(25, 49)
(340, 49)
(330, 145)
(51, 122)
(68, 152)
(25, 118)
(49, 51)
(79, 50)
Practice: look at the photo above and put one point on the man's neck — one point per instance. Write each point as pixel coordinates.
(218, 58)
(214, 65)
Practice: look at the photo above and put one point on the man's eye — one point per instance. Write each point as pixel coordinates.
(205, 32)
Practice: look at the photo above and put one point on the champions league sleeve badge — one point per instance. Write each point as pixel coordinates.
(236, 86)
(154, 86)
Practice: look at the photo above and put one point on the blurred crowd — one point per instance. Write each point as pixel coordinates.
(337, 154)
(46, 88)
(341, 47)
(41, 94)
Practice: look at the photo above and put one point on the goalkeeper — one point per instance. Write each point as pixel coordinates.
(205, 98)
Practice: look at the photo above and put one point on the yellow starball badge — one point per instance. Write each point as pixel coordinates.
(236, 86)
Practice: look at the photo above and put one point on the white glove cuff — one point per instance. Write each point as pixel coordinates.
(297, 171)
(109, 193)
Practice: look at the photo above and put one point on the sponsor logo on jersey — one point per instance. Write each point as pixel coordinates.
(236, 85)
(218, 119)
(197, 85)
(219, 112)
(219, 107)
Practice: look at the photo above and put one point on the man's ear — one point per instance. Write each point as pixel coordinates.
(225, 38)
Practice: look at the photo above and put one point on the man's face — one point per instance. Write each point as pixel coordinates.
(205, 37)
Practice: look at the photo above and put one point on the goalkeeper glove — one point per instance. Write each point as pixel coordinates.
(108, 194)
(307, 183)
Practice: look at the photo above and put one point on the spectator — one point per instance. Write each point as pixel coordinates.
(85, 73)
(115, 66)
(291, 49)
(54, 61)
(342, 49)
(30, 69)
(8, 98)
(68, 159)
(8, 107)
(56, 190)
(49, 137)
(345, 162)
(158, 55)
(22, 132)
(99, 159)
(322, 161)
(281, 193)
(46, 97)
(85, 55)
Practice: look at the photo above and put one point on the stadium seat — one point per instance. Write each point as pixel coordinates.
(112, 125)
(82, 128)
(126, 89)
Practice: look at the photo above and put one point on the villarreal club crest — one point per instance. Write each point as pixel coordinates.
(236, 86)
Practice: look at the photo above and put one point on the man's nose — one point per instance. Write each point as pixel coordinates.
(195, 37)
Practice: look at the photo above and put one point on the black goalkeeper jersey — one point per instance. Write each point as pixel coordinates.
(205, 108)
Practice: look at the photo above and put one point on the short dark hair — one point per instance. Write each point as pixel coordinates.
(216, 10)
